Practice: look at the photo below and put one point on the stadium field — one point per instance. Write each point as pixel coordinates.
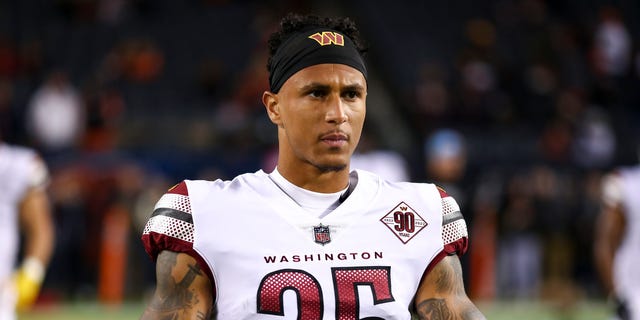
(494, 311)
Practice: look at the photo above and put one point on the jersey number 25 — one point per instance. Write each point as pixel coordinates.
(346, 282)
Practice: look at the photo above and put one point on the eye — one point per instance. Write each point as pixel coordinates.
(351, 94)
(317, 93)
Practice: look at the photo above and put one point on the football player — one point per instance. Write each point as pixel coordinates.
(312, 239)
(24, 210)
(618, 241)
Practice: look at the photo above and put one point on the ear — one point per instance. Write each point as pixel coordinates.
(270, 101)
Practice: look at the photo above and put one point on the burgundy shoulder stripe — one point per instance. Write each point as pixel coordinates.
(443, 194)
(180, 188)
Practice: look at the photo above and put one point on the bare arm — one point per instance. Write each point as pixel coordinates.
(37, 225)
(441, 294)
(609, 230)
(183, 290)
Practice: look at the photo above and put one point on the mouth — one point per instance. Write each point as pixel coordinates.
(335, 139)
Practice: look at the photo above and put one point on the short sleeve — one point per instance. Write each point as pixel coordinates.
(612, 189)
(455, 238)
(38, 172)
(454, 227)
(170, 226)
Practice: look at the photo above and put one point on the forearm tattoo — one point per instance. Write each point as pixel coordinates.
(437, 309)
(448, 283)
(448, 276)
(175, 298)
(434, 309)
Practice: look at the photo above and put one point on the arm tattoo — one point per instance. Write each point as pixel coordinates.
(453, 303)
(434, 309)
(437, 309)
(448, 276)
(175, 296)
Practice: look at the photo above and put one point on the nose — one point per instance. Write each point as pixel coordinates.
(336, 111)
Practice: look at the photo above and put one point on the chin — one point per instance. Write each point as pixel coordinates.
(331, 163)
(332, 168)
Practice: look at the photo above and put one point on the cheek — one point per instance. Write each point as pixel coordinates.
(359, 109)
(299, 128)
(358, 116)
(357, 124)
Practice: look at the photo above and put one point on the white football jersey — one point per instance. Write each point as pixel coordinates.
(623, 188)
(20, 169)
(269, 259)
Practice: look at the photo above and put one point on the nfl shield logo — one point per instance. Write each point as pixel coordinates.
(321, 234)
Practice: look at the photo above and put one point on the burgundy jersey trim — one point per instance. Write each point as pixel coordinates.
(443, 194)
(459, 247)
(180, 188)
(456, 248)
(154, 243)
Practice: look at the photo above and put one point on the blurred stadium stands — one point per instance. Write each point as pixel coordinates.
(543, 92)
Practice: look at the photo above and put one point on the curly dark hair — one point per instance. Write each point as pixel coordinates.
(293, 22)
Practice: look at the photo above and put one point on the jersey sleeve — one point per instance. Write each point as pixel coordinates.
(612, 189)
(455, 238)
(170, 226)
(454, 228)
(38, 173)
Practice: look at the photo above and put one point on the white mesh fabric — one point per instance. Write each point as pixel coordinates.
(449, 205)
(174, 201)
(454, 230)
(171, 227)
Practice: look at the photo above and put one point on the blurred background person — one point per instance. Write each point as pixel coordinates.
(24, 211)
(617, 239)
(446, 162)
(56, 115)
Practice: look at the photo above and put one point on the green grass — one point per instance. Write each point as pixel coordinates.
(495, 311)
(92, 311)
(586, 310)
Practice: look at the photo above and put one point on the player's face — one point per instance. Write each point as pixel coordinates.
(320, 112)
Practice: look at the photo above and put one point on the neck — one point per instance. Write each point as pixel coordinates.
(316, 179)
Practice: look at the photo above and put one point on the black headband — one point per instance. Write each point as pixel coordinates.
(311, 47)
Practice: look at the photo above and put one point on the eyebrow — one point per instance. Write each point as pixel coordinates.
(355, 87)
(315, 86)
(320, 86)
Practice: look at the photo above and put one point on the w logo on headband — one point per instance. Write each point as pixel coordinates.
(327, 38)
